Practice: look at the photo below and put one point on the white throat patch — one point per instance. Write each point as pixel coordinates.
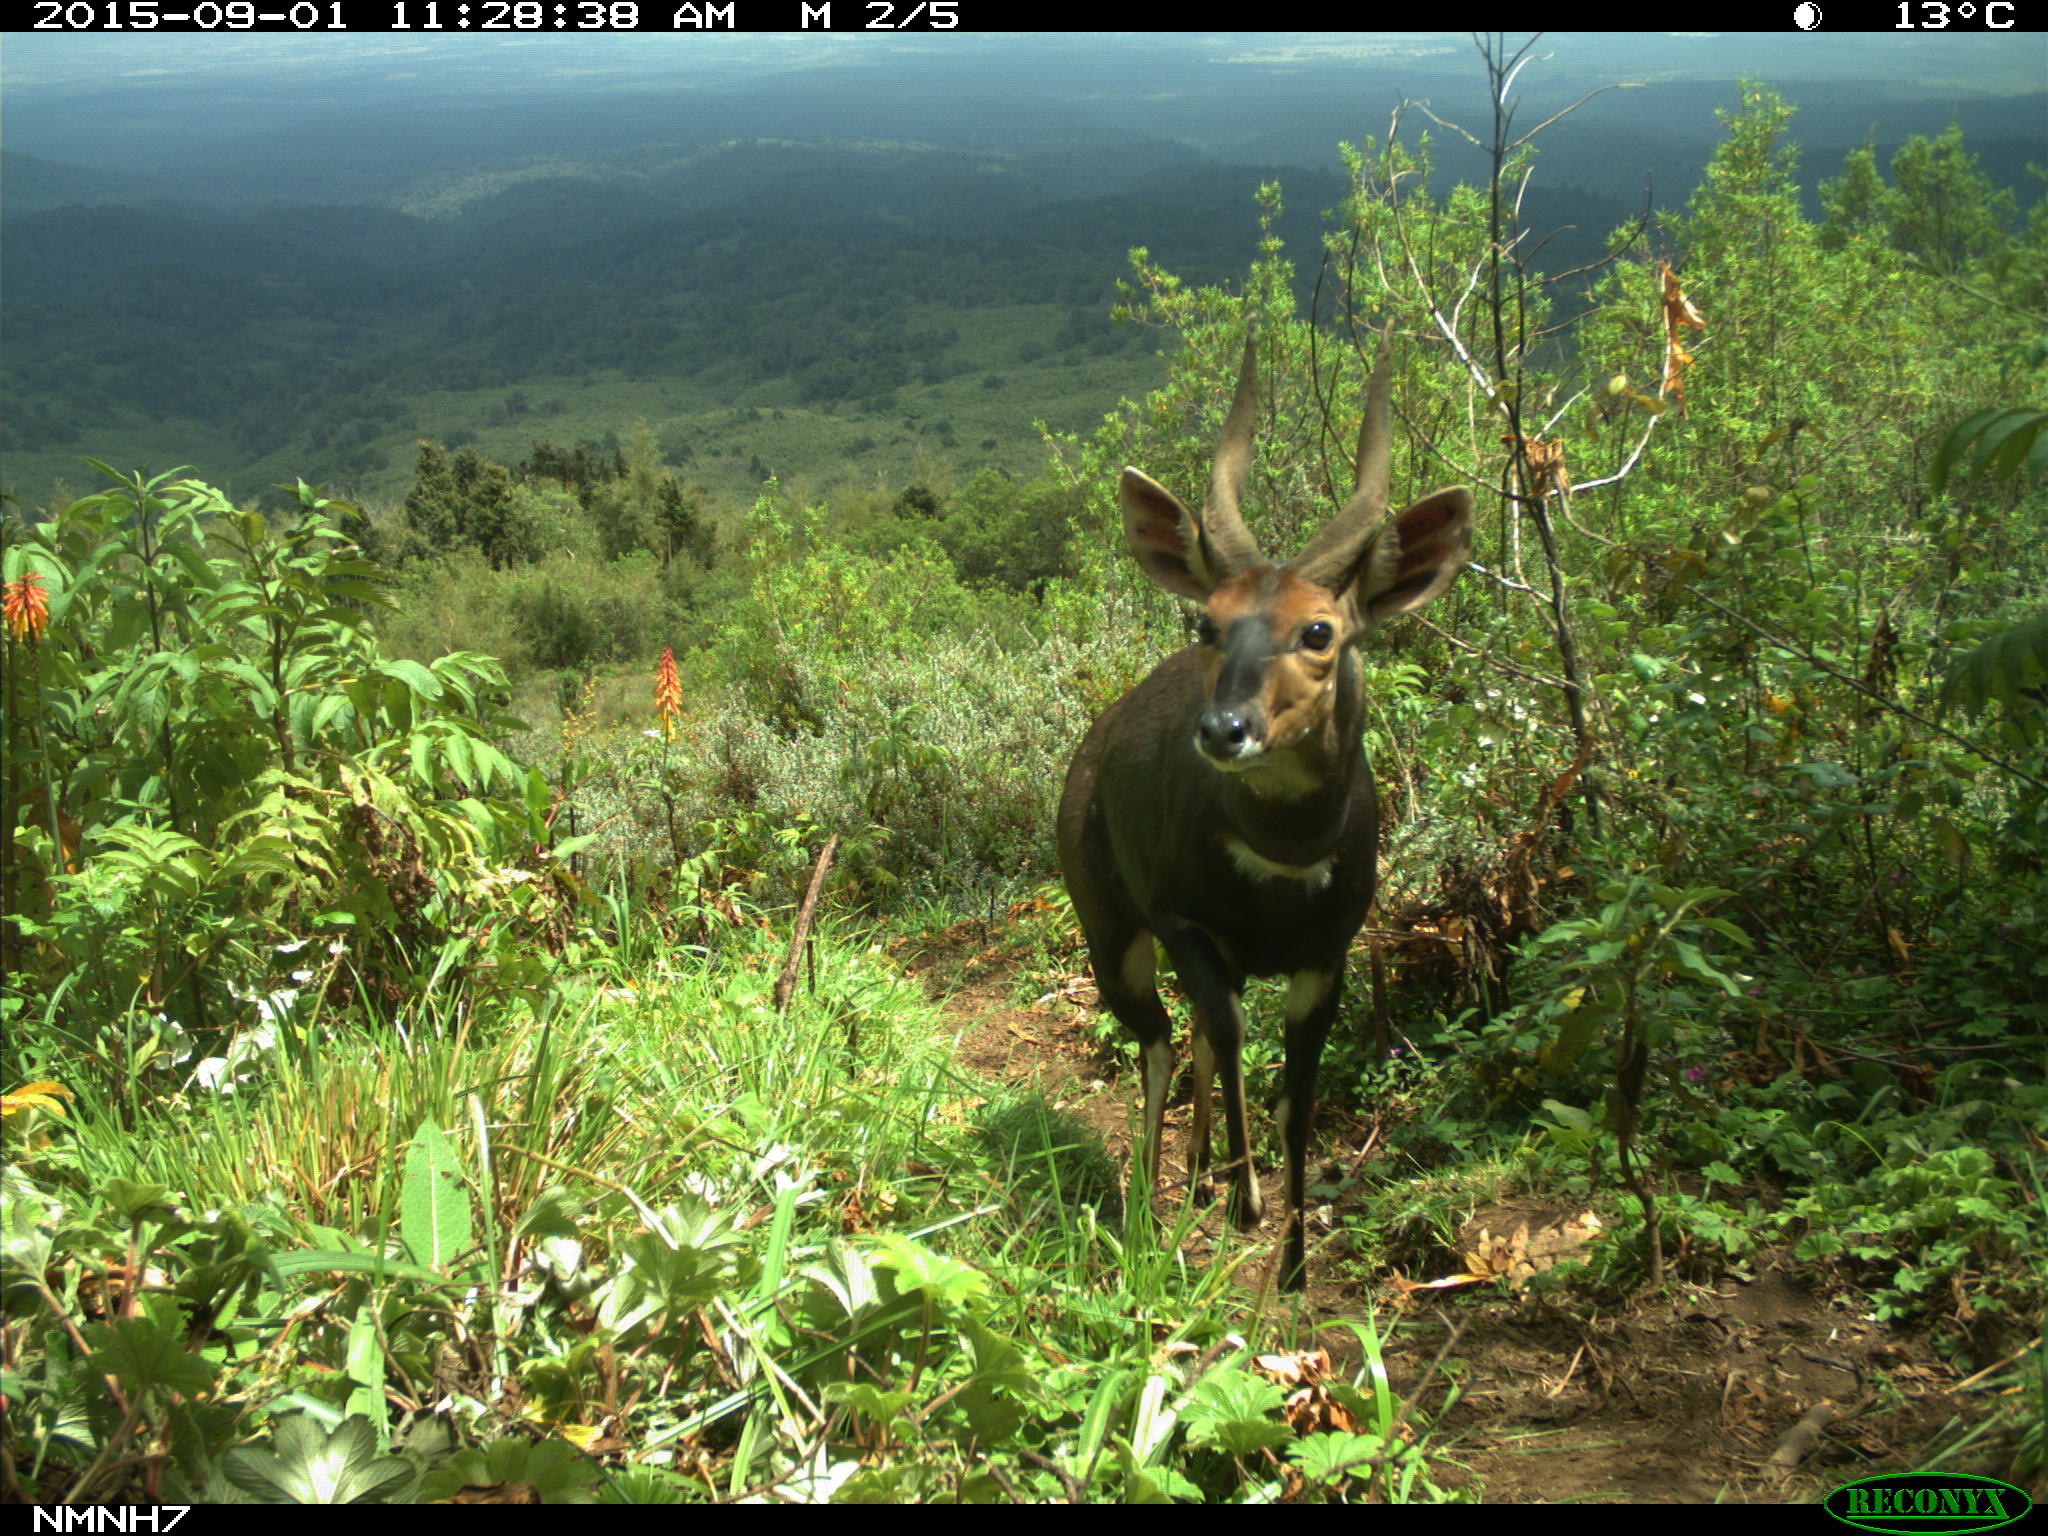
(1256, 866)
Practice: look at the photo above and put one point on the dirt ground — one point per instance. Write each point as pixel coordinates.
(1752, 1389)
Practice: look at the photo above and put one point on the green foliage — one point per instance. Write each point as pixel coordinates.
(876, 696)
(602, 506)
(468, 502)
(1938, 209)
(307, 1464)
(434, 1217)
(645, 507)
(998, 533)
(1634, 982)
(2000, 443)
(2011, 667)
(582, 469)
(1628, 975)
(568, 622)
(551, 1468)
(1046, 1156)
(211, 755)
(756, 1254)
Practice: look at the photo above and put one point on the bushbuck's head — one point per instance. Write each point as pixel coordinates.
(1277, 639)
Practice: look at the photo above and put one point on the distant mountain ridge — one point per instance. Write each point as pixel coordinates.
(322, 267)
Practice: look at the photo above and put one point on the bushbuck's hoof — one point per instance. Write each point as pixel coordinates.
(1246, 1209)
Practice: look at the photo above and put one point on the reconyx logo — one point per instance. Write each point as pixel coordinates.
(1927, 1502)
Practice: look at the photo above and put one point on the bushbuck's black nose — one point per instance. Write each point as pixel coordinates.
(1223, 733)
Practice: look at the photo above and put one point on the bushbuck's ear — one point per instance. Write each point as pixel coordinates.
(1417, 554)
(1165, 537)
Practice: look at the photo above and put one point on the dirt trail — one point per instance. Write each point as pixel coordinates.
(1681, 1398)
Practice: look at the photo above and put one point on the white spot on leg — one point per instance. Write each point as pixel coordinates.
(1158, 1070)
(1158, 1078)
(1305, 992)
(1137, 971)
(1139, 965)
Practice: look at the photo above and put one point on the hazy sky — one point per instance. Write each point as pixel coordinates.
(2011, 63)
(54, 58)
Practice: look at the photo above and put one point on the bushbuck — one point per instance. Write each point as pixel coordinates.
(1224, 806)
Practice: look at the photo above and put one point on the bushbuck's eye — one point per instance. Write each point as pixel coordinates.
(1317, 636)
(1205, 630)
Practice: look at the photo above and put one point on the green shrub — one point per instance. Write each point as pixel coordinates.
(216, 759)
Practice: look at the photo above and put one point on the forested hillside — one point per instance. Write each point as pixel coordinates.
(551, 984)
(237, 291)
(343, 332)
